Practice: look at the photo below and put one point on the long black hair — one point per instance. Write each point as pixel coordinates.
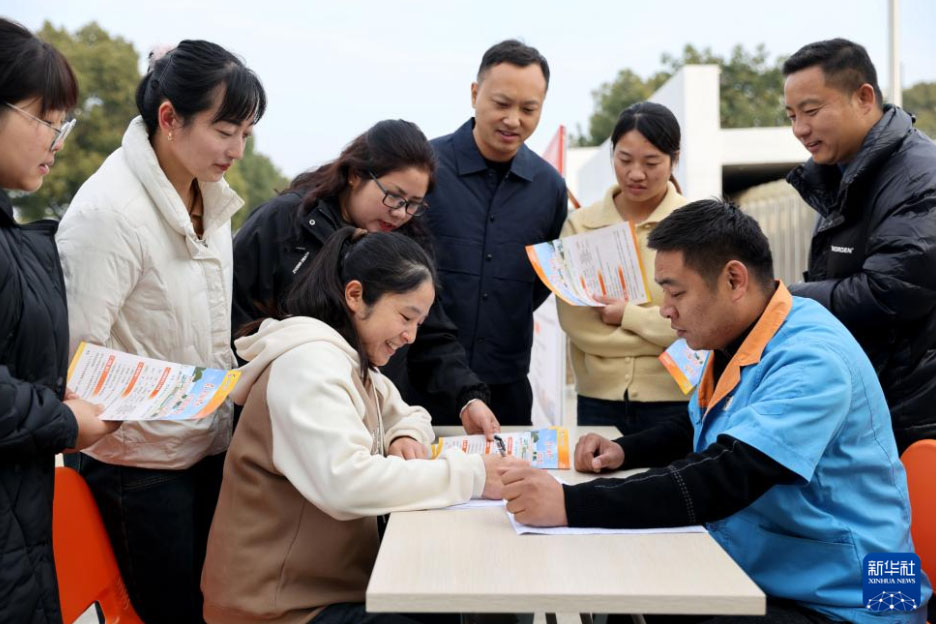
(30, 67)
(187, 77)
(388, 145)
(383, 262)
(657, 124)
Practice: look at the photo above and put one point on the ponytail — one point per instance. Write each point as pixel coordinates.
(672, 178)
(383, 262)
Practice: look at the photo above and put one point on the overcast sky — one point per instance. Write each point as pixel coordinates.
(331, 69)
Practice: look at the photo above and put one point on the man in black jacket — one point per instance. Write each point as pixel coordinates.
(872, 263)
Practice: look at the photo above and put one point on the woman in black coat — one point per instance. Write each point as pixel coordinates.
(37, 419)
(378, 183)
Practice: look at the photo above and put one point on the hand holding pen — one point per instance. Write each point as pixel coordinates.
(501, 447)
(495, 466)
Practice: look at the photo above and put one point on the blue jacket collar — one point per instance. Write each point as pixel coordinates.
(469, 159)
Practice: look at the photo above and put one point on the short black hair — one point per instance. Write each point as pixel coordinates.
(712, 232)
(30, 67)
(845, 65)
(514, 52)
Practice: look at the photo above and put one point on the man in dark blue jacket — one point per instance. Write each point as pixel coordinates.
(872, 263)
(493, 196)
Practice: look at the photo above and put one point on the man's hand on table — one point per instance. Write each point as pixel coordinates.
(494, 467)
(534, 497)
(408, 448)
(594, 453)
(477, 417)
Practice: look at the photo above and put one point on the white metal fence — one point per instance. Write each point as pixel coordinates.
(788, 223)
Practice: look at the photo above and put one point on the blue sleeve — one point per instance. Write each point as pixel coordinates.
(800, 400)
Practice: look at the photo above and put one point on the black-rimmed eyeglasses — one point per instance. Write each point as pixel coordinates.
(393, 201)
(60, 133)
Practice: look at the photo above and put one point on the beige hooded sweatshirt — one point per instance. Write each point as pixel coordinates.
(306, 476)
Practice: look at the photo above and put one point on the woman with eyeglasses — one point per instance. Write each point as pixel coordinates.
(146, 249)
(378, 183)
(39, 417)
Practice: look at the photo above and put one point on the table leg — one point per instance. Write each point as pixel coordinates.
(550, 618)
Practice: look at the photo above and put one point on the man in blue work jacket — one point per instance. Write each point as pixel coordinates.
(787, 455)
(492, 197)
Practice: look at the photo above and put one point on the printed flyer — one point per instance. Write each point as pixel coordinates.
(604, 262)
(684, 364)
(131, 387)
(544, 448)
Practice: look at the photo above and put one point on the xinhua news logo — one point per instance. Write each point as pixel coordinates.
(891, 582)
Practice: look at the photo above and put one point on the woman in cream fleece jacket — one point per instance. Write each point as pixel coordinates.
(614, 349)
(146, 251)
(319, 451)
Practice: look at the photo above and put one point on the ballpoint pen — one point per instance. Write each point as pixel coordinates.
(501, 447)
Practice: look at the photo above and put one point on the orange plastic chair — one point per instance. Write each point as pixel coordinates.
(919, 461)
(84, 560)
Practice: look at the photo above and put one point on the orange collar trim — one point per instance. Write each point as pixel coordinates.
(776, 312)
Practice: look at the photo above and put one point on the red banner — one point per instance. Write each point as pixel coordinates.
(555, 153)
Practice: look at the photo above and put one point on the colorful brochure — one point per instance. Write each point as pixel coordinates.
(131, 387)
(604, 262)
(684, 364)
(543, 448)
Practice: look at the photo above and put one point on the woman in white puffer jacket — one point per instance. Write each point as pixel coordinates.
(146, 249)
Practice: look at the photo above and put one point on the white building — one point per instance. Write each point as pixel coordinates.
(716, 161)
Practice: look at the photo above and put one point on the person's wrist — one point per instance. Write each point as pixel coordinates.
(476, 391)
(461, 412)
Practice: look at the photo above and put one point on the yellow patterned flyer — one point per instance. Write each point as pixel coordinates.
(131, 387)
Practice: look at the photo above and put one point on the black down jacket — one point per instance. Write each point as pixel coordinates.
(872, 261)
(34, 423)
